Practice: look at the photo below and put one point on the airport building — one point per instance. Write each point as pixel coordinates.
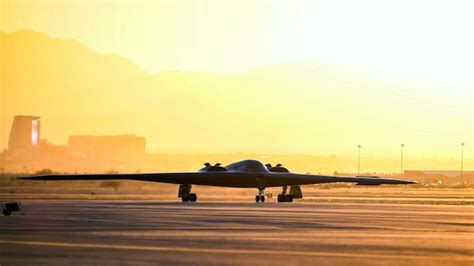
(27, 152)
(24, 133)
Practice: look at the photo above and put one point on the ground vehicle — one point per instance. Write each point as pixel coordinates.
(9, 207)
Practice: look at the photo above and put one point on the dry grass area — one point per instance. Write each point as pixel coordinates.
(131, 190)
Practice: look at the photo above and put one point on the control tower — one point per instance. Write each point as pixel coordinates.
(25, 132)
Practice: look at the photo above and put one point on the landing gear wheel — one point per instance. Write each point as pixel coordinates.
(192, 197)
(259, 198)
(285, 198)
(185, 199)
(281, 198)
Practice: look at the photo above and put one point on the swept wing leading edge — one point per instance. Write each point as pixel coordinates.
(233, 179)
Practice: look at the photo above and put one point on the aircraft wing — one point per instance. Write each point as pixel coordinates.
(305, 179)
(196, 178)
(227, 179)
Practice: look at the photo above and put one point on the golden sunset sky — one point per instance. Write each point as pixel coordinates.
(312, 77)
(205, 35)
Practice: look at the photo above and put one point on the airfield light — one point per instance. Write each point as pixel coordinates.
(34, 132)
(462, 159)
(401, 159)
(358, 159)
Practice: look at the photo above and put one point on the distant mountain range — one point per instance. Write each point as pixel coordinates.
(302, 108)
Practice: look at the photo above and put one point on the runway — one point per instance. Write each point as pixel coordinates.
(150, 232)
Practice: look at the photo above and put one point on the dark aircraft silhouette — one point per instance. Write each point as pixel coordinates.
(242, 174)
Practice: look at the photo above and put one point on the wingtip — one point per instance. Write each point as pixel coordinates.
(408, 182)
(27, 178)
(36, 177)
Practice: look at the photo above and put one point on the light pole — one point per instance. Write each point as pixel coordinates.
(462, 159)
(358, 159)
(401, 159)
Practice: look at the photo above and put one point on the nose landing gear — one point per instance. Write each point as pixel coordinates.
(261, 195)
(259, 198)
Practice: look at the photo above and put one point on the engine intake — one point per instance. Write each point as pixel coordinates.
(213, 168)
(277, 168)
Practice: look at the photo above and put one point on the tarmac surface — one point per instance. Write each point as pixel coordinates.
(54, 232)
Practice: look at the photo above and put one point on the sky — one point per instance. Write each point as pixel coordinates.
(409, 37)
(425, 44)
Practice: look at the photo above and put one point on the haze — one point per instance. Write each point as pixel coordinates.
(217, 77)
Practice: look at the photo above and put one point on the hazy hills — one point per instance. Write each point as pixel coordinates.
(312, 107)
(70, 85)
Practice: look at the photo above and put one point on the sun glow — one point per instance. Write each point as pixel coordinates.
(285, 77)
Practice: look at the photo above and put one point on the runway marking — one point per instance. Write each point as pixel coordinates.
(233, 251)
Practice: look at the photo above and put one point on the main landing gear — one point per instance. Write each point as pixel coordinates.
(185, 193)
(190, 198)
(283, 197)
